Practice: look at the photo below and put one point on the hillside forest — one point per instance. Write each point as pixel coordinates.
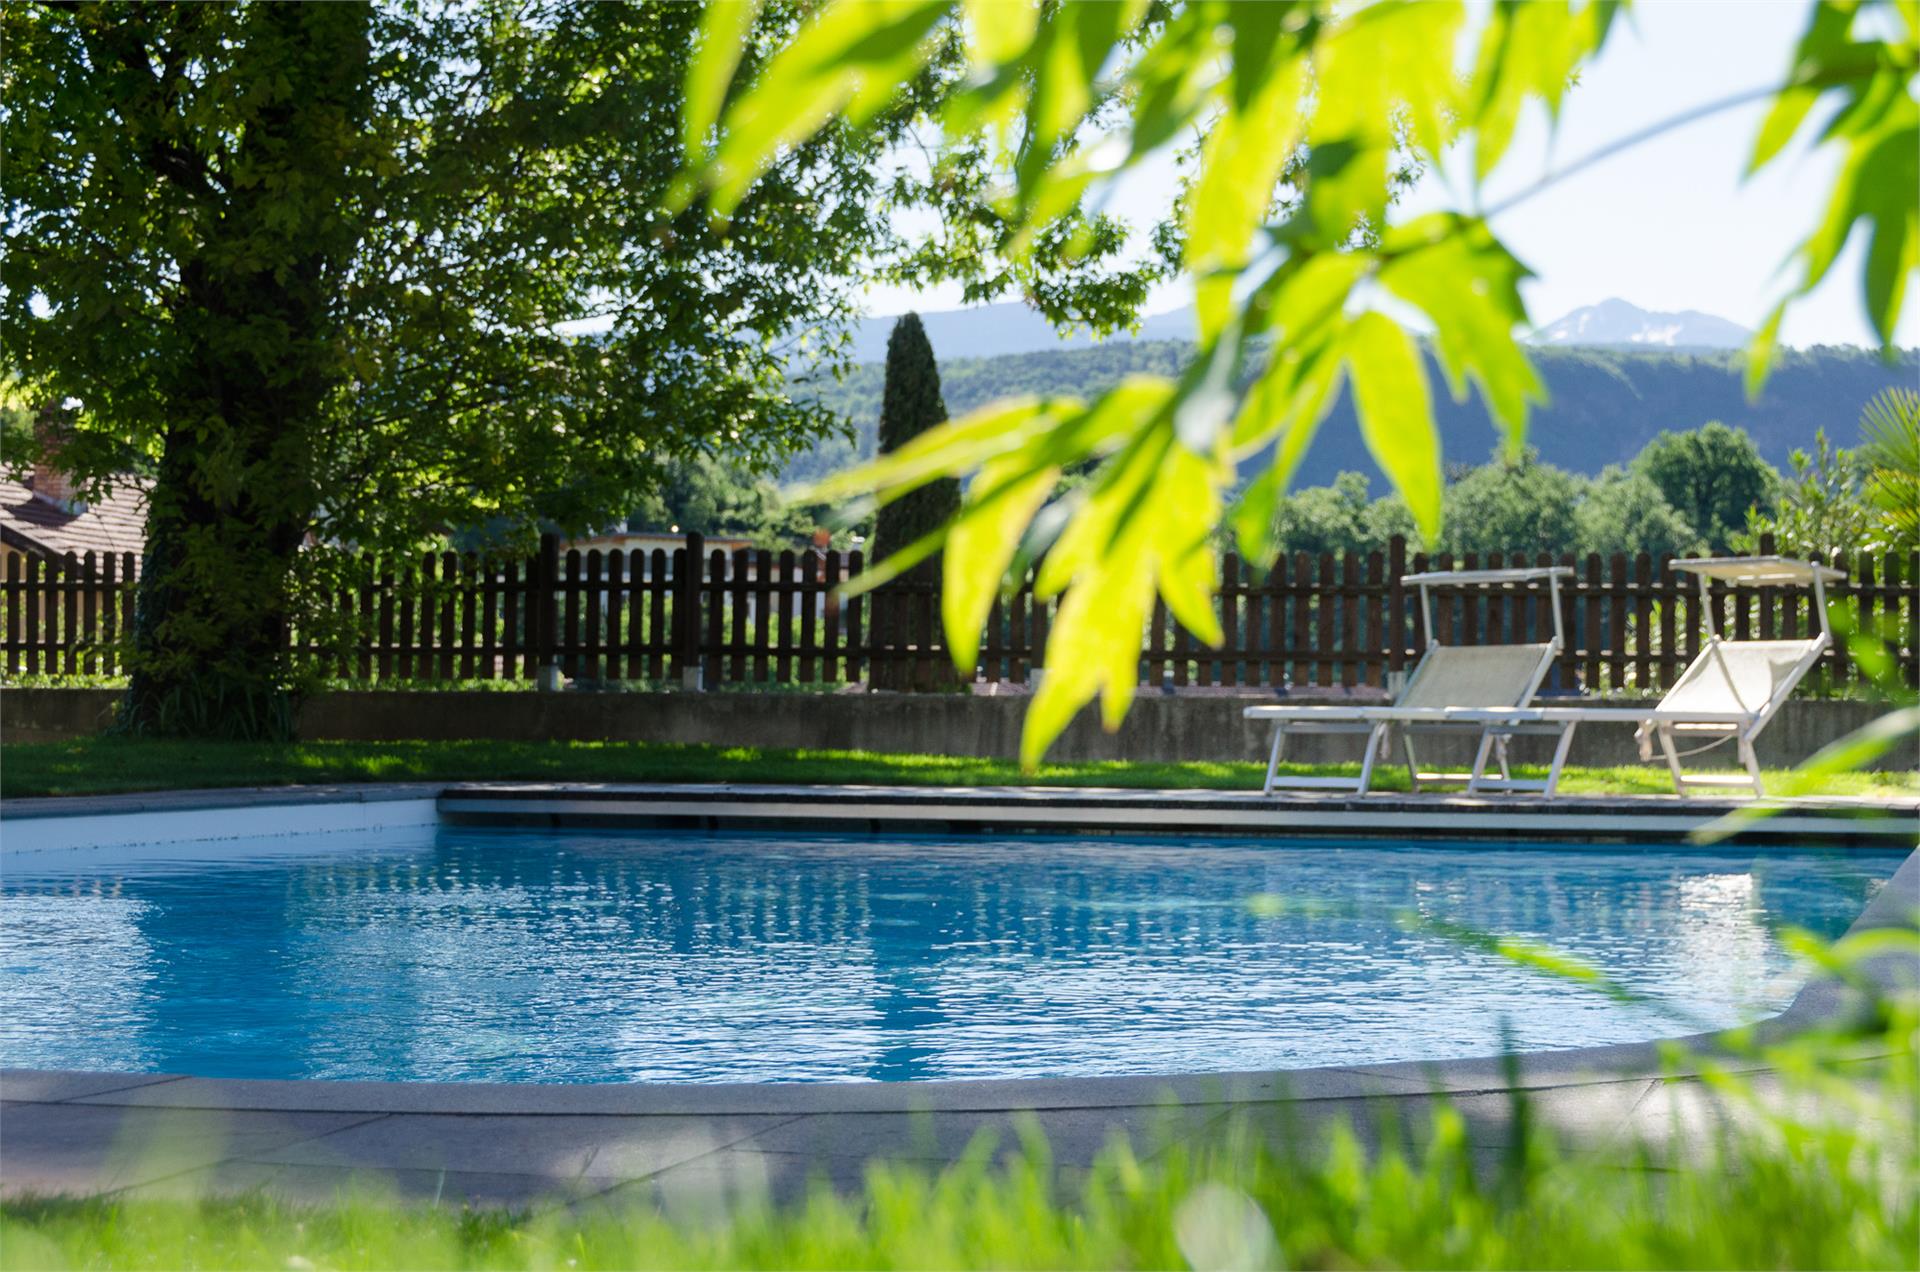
(1636, 452)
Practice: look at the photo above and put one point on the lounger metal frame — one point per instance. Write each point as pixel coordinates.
(1380, 723)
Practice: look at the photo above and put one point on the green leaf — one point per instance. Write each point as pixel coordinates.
(1207, 397)
(1144, 528)
(1890, 198)
(1784, 117)
(1469, 285)
(980, 544)
(1289, 400)
(1000, 30)
(1760, 351)
(1188, 495)
(1117, 490)
(1396, 418)
(724, 28)
(952, 448)
(849, 60)
(1824, 38)
(1387, 61)
(1073, 45)
(1527, 50)
(1247, 148)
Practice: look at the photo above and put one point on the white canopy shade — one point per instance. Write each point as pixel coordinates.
(1527, 575)
(1771, 569)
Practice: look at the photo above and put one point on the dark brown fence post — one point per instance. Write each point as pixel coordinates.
(856, 616)
(590, 657)
(690, 565)
(542, 618)
(1396, 632)
(16, 602)
(833, 669)
(110, 614)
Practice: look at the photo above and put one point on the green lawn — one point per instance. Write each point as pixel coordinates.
(107, 765)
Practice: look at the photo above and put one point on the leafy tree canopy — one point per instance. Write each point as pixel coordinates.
(1502, 506)
(366, 274)
(1510, 505)
(1713, 476)
(1623, 512)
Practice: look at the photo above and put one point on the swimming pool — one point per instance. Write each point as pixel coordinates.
(474, 954)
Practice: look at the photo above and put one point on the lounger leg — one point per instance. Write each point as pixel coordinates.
(1752, 762)
(1273, 760)
(1560, 750)
(1673, 761)
(1375, 741)
(1413, 765)
(1500, 749)
(1480, 761)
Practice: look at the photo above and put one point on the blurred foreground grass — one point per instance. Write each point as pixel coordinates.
(96, 766)
(1800, 1191)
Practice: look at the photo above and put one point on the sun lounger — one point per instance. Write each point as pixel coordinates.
(1448, 679)
(1730, 691)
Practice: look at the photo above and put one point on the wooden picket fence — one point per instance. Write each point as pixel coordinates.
(699, 618)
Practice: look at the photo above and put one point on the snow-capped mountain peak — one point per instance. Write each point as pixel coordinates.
(1617, 323)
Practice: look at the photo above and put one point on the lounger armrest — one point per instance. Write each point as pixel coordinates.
(1409, 715)
(1601, 715)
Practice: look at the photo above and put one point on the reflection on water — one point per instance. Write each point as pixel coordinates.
(604, 956)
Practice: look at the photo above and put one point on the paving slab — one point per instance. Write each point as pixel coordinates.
(1587, 1116)
(46, 1086)
(68, 1148)
(554, 1148)
(1073, 1136)
(728, 1182)
(1579, 1066)
(326, 1185)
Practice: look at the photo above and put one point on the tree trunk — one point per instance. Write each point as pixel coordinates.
(236, 488)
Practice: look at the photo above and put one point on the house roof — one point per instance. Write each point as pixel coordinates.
(114, 524)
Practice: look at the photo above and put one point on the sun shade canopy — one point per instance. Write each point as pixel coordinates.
(1528, 575)
(1773, 569)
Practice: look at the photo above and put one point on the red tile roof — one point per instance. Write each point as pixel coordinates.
(117, 523)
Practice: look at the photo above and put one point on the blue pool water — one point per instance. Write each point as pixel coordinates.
(494, 955)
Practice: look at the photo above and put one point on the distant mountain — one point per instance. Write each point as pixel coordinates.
(992, 331)
(1616, 323)
(989, 331)
(1606, 403)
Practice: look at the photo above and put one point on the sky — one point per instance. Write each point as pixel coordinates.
(1667, 225)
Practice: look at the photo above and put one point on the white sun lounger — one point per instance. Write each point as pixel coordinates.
(1447, 680)
(1730, 691)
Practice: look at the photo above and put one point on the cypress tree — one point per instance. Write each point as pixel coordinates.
(910, 405)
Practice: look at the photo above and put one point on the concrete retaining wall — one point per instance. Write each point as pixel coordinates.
(1160, 726)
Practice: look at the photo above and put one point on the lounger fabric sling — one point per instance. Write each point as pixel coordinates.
(1729, 693)
(1447, 679)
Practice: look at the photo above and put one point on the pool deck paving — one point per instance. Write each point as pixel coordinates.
(686, 1147)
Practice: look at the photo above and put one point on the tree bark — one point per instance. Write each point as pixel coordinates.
(257, 321)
